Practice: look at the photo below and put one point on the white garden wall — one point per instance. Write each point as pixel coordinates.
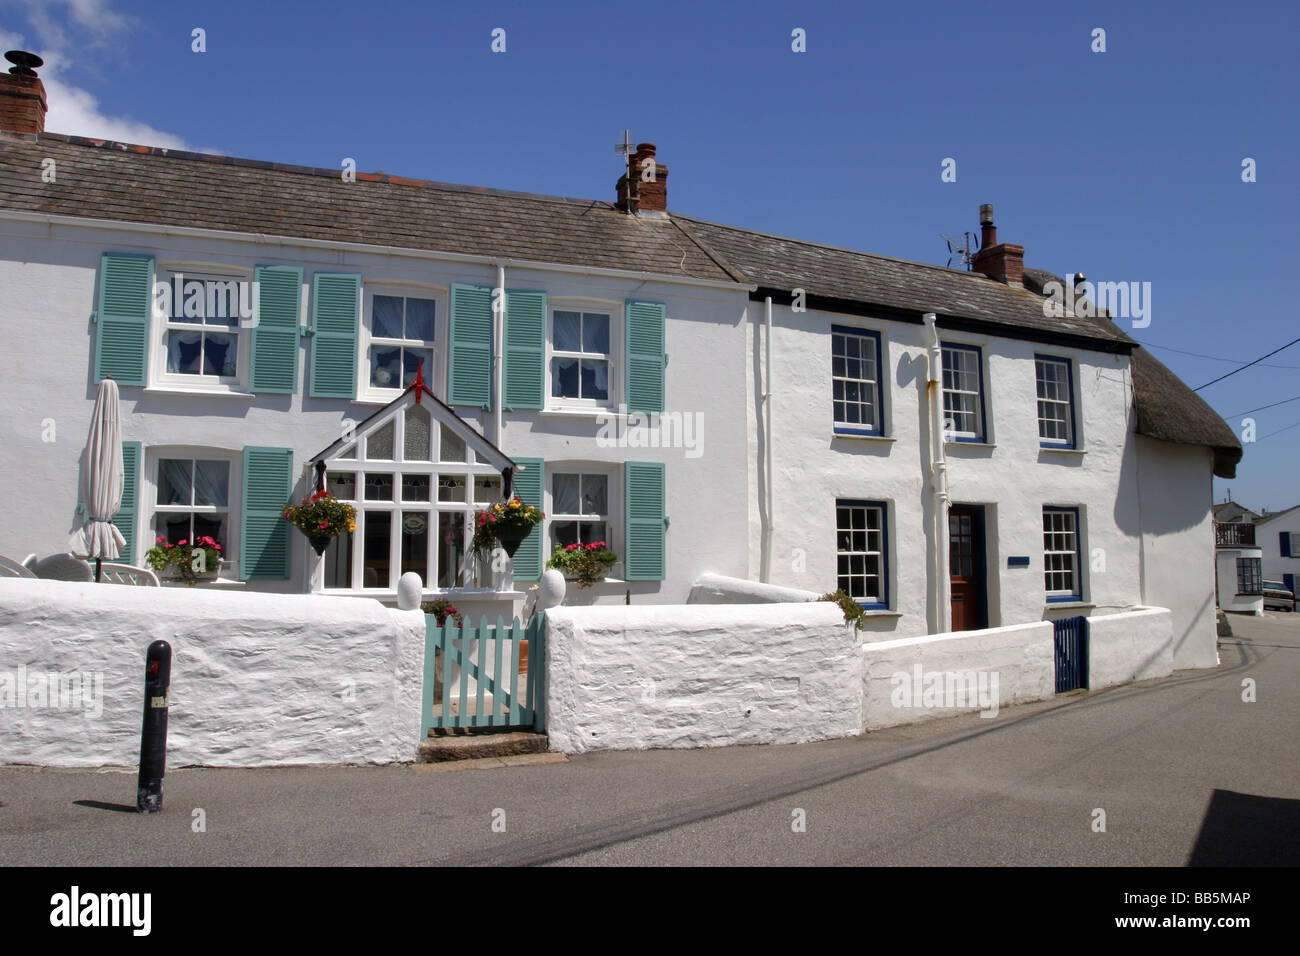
(700, 676)
(720, 589)
(1134, 645)
(257, 679)
(901, 677)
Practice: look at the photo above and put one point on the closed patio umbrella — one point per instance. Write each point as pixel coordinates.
(101, 481)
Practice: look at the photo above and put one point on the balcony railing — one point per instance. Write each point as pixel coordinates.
(1234, 535)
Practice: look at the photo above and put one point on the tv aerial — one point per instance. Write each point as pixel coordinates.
(963, 248)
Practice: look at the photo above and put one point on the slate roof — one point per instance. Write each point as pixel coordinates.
(102, 180)
(844, 275)
(105, 180)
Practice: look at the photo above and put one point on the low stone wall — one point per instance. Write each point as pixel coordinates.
(919, 678)
(629, 678)
(257, 679)
(720, 589)
(1133, 645)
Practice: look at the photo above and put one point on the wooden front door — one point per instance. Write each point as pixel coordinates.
(966, 566)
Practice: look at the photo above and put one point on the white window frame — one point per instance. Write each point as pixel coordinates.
(160, 325)
(877, 427)
(616, 320)
(1075, 514)
(362, 465)
(613, 503)
(981, 411)
(149, 508)
(868, 601)
(434, 377)
(1066, 404)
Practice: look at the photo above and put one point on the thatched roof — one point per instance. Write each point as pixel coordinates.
(1170, 411)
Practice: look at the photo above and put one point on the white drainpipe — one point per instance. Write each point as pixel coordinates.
(765, 571)
(498, 331)
(939, 585)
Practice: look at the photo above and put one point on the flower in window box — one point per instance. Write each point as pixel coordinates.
(186, 561)
(585, 563)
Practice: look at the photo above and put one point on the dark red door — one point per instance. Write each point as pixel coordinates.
(966, 566)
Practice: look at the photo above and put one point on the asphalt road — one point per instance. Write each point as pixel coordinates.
(1184, 770)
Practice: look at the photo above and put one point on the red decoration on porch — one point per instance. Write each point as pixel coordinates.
(418, 384)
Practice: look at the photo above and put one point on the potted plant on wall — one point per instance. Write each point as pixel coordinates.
(188, 561)
(585, 563)
(322, 517)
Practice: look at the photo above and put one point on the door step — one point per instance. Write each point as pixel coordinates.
(475, 746)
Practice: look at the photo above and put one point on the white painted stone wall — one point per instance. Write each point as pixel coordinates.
(1020, 655)
(257, 679)
(700, 676)
(1010, 475)
(1130, 646)
(1174, 484)
(720, 589)
(49, 273)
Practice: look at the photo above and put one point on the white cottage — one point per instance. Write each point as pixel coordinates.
(702, 397)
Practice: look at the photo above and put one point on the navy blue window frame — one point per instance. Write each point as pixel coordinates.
(847, 429)
(1069, 379)
(883, 603)
(1285, 544)
(1078, 556)
(982, 437)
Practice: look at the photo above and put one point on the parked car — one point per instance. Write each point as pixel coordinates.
(1278, 597)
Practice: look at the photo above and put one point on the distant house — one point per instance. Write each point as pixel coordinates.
(703, 397)
(1278, 536)
(1229, 512)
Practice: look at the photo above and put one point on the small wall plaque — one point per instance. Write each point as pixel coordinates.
(1017, 560)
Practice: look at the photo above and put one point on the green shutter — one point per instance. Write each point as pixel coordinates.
(126, 516)
(264, 534)
(278, 297)
(335, 315)
(645, 356)
(125, 305)
(527, 487)
(643, 558)
(470, 362)
(525, 349)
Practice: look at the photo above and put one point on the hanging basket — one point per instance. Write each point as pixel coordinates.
(319, 543)
(511, 538)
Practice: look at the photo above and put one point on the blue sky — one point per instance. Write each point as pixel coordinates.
(1124, 165)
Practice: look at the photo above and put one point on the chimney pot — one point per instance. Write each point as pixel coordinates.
(643, 195)
(22, 95)
(1002, 261)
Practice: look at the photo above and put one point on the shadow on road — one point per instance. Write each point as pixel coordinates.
(101, 805)
(1240, 829)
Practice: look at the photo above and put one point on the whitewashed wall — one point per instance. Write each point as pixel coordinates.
(48, 272)
(720, 589)
(1130, 646)
(257, 679)
(1013, 479)
(700, 676)
(1174, 484)
(1020, 655)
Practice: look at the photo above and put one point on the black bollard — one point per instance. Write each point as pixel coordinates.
(153, 732)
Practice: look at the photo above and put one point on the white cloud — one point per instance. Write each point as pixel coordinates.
(74, 110)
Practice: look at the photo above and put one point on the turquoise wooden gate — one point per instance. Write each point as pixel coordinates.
(478, 677)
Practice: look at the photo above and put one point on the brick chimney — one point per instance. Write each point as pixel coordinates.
(22, 95)
(645, 196)
(1002, 261)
